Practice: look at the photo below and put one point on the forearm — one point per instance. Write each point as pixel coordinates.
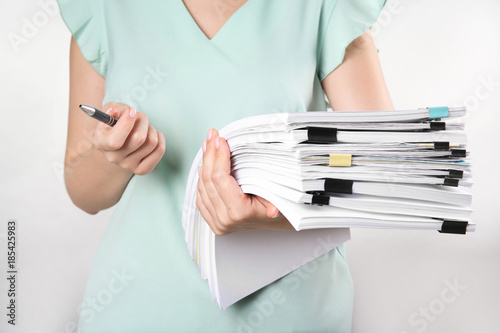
(92, 182)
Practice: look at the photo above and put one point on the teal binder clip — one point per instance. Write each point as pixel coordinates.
(439, 112)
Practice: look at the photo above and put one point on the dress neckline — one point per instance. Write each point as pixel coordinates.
(233, 17)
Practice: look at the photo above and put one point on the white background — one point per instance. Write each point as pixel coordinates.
(433, 53)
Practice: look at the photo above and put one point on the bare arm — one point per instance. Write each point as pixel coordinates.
(100, 160)
(358, 83)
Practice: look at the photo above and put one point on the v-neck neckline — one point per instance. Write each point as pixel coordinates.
(197, 27)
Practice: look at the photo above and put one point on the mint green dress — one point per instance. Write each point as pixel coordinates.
(270, 56)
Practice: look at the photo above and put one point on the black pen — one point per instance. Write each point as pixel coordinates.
(99, 115)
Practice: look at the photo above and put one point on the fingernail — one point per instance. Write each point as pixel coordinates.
(108, 110)
(276, 215)
(204, 146)
(216, 143)
(133, 113)
(209, 134)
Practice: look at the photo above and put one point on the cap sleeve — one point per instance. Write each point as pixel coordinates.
(344, 22)
(85, 20)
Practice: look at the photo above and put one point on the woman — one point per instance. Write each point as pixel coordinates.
(170, 71)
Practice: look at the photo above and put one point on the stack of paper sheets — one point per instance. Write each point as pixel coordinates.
(406, 169)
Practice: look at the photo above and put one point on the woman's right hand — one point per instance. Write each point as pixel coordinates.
(133, 143)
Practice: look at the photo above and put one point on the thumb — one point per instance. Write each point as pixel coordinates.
(271, 210)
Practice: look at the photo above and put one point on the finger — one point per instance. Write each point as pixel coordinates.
(227, 187)
(113, 138)
(271, 210)
(148, 145)
(207, 172)
(212, 222)
(138, 135)
(142, 140)
(114, 106)
(211, 198)
(203, 197)
(115, 110)
(150, 161)
(134, 141)
(205, 213)
(240, 206)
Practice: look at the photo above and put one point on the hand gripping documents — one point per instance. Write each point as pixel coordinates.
(329, 171)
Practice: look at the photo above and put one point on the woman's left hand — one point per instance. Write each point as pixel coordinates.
(220, 199)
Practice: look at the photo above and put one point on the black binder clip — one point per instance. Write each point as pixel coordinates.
(441, 145)
(319, 199)
(454, 227)
(453, 182)
(437, 126)
(456, 174)
(458, 153)
(333, 185)
(321, 135)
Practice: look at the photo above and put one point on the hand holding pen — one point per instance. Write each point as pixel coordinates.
(99, 115)
(126, 138)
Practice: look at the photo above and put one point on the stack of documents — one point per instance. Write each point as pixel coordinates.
(406, 169)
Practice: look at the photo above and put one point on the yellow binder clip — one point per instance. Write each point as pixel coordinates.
(340, 160)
